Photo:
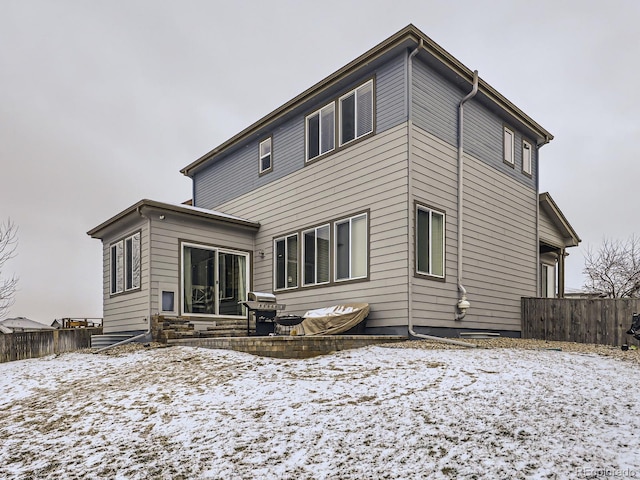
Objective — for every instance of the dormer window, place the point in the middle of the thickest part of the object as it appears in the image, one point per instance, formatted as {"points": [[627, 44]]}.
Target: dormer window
{"points": [[265, 156], [356, 113]]}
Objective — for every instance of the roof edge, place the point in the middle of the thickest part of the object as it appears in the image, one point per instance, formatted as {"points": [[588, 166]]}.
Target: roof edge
{"points": [[181, 209], [411, 34], [546, 199]]}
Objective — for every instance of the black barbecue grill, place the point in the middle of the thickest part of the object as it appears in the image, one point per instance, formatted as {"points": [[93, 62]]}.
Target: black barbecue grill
{"points": [[263, 307]]}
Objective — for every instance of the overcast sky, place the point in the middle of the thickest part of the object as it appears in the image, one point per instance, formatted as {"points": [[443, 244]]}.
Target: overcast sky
{"points": [[103, 102]]}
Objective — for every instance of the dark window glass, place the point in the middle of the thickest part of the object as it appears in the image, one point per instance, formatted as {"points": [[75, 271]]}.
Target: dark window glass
{"points": [[310, 257], [168, 299], [313, 133], [342, 250], [292, 261], [347, 118], [280, 264]]}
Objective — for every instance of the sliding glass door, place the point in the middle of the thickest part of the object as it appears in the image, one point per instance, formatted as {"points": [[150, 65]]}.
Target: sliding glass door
{"points": [[213, 280]]}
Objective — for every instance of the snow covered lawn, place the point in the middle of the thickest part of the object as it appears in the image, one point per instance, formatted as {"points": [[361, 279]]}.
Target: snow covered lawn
{"points": [[186, 413]]}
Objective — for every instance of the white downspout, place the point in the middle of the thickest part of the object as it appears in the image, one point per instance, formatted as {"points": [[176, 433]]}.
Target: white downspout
{"points": [[463, 304], [410, 208]]}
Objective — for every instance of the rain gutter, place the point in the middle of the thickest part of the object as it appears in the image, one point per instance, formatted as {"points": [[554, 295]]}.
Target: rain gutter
{"points": [[409, 111]]}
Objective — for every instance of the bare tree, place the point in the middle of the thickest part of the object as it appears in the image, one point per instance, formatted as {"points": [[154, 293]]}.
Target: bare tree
{"points": [[614, 270], [8, 246]]}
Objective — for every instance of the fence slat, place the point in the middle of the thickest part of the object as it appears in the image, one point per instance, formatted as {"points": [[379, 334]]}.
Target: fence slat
{"points": [[23, 345], [602, 321]]}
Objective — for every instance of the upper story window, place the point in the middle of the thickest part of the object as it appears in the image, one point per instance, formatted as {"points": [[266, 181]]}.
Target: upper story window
{"points": [[265, 156], [508, 148], [125, 264], [315, 255], [351, 248], [526, 157], [429, 242], [320, 126], [355, 120], [286, 262], [356, 113]]}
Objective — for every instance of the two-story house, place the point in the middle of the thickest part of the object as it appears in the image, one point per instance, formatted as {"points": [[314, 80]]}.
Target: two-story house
{"points": [[402, 180]]}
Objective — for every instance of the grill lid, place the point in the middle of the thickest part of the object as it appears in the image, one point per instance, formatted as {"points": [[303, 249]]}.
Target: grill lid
{"points": [[261, 297]]}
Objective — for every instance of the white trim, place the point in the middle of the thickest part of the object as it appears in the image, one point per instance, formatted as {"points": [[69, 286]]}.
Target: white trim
{"points": [[350, 220], [431, 212], [262, 156], [136, 283], [315, 259], [286, 262], [306, 128], [167, 287], [509, 148], [217, 251], [356, 121], [527, 167]]}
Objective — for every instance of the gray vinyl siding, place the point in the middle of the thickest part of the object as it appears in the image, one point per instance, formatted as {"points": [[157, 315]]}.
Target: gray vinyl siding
{"points": [[391, 97], [128, 311], [549, 234], [371, 175], [166, 236], [236, 173], [499, 237], [435, 110]]}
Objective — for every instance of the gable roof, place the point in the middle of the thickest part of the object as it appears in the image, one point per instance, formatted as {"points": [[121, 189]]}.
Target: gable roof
{"points": [[408, 37], [21, 324], [170, 207], [559, 220]]}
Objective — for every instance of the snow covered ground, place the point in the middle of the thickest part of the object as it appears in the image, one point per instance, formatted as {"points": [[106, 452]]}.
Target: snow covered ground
{"points": [[185, 413]]}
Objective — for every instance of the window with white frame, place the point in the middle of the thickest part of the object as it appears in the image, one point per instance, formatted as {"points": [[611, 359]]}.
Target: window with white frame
{"points": [[526, 157], [265, 156], [167, 299], [125, 264], [430, 225], [213, 280], [351, 246], [508, 147], [286, 262], [356, 113], [320, 127], [315, 255]]}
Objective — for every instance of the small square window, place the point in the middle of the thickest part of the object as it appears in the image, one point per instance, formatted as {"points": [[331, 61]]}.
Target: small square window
{"points": [[168, 301], [265, 156], [508, 146]]}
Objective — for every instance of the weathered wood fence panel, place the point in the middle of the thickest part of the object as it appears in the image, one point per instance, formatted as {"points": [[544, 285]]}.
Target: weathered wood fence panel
{"points": [[602, 321], [23, 345]]}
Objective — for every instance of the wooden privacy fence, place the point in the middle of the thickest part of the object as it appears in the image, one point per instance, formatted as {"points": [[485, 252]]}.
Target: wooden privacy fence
{"points": [[602, 321], [23, 345]]}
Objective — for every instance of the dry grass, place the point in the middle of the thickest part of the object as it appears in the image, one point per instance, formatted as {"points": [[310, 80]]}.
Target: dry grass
{"points": [[529, 344]]}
